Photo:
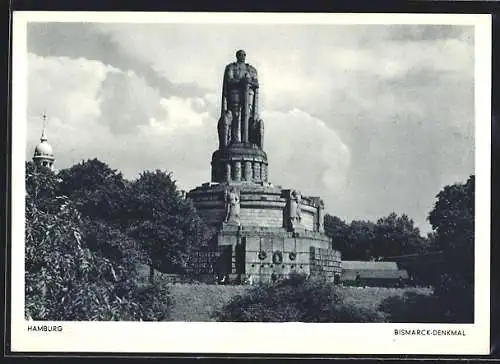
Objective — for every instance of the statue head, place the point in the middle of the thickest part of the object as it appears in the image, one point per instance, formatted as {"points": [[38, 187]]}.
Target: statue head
{"points": [[241, 55]]}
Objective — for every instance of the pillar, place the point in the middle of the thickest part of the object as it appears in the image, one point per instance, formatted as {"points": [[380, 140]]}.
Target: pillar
{"points": [[237, 171], [248, 172], [256, 171], [263, 172]]}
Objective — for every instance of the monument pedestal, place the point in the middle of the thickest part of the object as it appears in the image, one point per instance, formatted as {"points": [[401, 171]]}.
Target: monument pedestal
{"points": [[263, 241]]}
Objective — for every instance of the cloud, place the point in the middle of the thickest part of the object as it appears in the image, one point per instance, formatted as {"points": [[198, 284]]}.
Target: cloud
{"points": [[428, 33], [136, 101], [304, 153], [96, 42], [66, 89]]}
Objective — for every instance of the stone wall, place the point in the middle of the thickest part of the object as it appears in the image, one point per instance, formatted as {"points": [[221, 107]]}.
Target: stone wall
{"points": [[325, 261], [209, 261], [279, 254]]}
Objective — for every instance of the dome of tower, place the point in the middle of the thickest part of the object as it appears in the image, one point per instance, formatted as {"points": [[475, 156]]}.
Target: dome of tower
{"points": [[44, 149]]}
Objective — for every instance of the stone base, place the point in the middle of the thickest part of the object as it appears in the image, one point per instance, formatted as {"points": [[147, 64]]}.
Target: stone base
{"points": [[260, 252], [264, 244]]}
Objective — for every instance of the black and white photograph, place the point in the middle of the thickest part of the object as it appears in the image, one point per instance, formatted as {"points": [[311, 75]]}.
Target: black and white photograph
{"points": [[222, 182]]}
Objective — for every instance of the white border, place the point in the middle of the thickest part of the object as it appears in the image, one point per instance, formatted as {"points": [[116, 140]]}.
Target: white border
{"points": [[292, 338]]}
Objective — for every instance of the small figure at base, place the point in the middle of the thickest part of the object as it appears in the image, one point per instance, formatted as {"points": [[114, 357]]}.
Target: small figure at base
{"points": [[274, 277]]}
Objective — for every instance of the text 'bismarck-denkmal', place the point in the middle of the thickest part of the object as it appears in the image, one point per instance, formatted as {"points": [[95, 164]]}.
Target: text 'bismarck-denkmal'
{"points": [[428, 332]]}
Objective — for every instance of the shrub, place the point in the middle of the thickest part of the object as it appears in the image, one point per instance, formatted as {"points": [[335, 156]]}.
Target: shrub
{"points": [[295, 299], [65, 280], [412, 307]]}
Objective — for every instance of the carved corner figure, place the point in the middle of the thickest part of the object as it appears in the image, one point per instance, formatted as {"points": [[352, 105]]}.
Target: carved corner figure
{"points": [[239, 99], [295, 214], [224, 129], [257, 133], [232, 199], [320, 217]]}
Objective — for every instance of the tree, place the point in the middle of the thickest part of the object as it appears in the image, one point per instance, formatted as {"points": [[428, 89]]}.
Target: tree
{"points": [[452, 219], [397, 235], [362, 238], [338, 230], [354, 240], [97, 191], [102, 196], [66, 280], [41, 186], [166, 224]]}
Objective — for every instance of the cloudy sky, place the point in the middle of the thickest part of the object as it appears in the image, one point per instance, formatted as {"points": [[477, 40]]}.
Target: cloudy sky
{"points": [[373, 118]]}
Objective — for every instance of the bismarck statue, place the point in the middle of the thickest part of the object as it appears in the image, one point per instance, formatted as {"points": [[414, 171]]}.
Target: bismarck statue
{"points": [[240, 121], [240, 156]]}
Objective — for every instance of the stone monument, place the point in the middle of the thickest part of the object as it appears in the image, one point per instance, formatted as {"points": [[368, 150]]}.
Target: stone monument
{"points": [[263, 229]]}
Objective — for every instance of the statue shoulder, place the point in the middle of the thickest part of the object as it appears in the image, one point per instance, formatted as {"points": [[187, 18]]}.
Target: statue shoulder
{"points": [[230, 66], [251, 68]]}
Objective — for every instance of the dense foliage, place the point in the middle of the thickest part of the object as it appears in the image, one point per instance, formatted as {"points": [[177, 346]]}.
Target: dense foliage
{"points": [[66, 280], [166, 225], [295, 299], [413, 307], [85, 230], [97, 191], [453, 221], [145, 219], [390, 236], [101, 195]]}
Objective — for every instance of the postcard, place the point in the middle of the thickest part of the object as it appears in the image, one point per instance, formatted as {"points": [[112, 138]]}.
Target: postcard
{"points": [[261, 183]]}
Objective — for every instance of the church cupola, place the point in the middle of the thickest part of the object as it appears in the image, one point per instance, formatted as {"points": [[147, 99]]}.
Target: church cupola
{"points": [[44, 154]]}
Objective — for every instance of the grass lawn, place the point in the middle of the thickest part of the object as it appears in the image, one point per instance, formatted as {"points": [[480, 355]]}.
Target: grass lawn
{"points": [[196, 302], [371, 297]]}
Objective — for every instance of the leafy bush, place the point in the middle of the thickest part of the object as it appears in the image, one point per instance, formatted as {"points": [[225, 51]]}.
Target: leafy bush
{"points": [[412, 307], [295, 299], [109, 241], [66, 280]]}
